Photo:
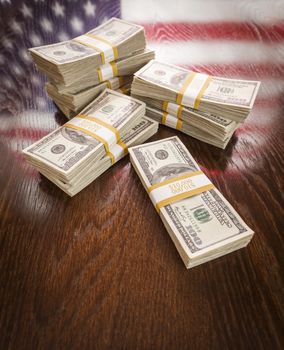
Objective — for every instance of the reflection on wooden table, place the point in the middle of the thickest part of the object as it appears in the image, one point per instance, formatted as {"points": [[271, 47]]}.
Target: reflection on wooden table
{"points": [[99, 270]]}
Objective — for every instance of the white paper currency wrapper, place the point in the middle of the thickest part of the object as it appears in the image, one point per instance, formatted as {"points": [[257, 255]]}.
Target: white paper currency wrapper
{"points": [[106, 48], [193, 89], [115, 83], [171, 121], [117, 152], [96, 129], [106, 72], [173, 191], [173, 108]]}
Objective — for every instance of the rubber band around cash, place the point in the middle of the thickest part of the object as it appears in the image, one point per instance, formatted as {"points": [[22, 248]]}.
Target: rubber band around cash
{"points": [[178, 188], [107, 134], [107, 50], [171, 121], [193, 89]]}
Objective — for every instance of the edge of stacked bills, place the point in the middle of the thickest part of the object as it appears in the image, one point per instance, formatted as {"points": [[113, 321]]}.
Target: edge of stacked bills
{"points": [[85, 139], [72, 60], [138, 134], [228, 98], [201, 222]]}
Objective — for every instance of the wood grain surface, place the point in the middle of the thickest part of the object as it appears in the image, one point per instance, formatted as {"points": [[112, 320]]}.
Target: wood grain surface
{"points": [[99, 271]]}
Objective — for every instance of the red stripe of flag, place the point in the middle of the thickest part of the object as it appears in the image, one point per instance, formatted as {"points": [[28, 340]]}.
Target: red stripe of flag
{"points": [[232, 31], [245, 70], [24, 133]]}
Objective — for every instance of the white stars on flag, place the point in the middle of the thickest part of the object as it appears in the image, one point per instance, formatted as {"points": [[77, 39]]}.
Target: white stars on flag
{"points": [[35, 80], [40, 102], [2, 59], [26, 11], [8, 82], [62, 36], [104, 19], [24, 54], [77, 24], [16, 69], [16, 27], [58, 9], [7, 43], [46, 25], [35, 39], [90, 8]]}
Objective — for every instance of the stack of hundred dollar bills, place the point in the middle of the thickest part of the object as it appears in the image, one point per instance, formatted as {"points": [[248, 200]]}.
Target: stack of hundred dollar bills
{"points": [[78, 152], [205, 107], [79, 69], [200, 221]]}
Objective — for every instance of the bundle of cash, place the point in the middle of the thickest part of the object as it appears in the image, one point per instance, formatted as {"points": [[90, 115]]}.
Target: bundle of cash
{"points": [[72, 99], [188, 128], [71, 155], [70, 104], [78, 70], [135, 136], [120, 68], [227, 98], [200, 221], [70, 61], [205, 127], [216, 126]]}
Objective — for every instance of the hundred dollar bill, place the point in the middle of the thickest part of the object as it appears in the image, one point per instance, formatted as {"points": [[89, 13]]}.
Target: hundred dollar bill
{"points": [[72, 108], [214, 125], [197, 132], [121, 67], [203, 226], [227, 98], [137, 135], [86, 137], [75, 58]]}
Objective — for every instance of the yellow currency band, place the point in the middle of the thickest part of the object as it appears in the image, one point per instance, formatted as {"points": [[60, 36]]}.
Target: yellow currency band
{"points": [[164, 120], [201, 92], [123, 145], [98, 138], [164, 117], [108, 84], [187, 81], [165, 106], [180, 196], [114, 68], [124, 89], [114, 71], [121, 81], [184, 195], [102, 123], [125, 149], [177, 178], [114, 48], [100, 75], [179, 112], [93, 47], [179, 124]]}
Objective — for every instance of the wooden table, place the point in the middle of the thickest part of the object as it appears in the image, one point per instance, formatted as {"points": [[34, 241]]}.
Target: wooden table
{"points": [[99, 271]]}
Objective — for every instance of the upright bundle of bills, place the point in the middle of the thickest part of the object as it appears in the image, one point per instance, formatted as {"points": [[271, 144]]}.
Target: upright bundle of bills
{"points": [[83, 148], [72, 103], [200, 221], [208, 108], [116, 48]]}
